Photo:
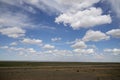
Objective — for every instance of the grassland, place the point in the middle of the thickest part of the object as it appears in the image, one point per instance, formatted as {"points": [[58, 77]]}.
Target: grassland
{"points": [[59, 71]]}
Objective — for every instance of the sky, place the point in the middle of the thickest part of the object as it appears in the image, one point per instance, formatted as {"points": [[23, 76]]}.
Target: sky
{"points": [[60, 30]]}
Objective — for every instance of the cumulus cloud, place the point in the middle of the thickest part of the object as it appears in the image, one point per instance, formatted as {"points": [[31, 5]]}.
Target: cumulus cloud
{"points": [[23, 50], [19, 50], [114, 32], [56, 39], [77, 13], [84, 51], [11, 19], [84, 19], [114, 51], [57, 52], [115, 6], [13, 32], [13, 43], [48, 46], [31, 50], [13, 24], [95, 36], [79, 45], [32, 41]]}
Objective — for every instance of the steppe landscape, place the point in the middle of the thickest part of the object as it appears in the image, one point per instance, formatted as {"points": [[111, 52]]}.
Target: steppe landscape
{"points": [[59, 71]]}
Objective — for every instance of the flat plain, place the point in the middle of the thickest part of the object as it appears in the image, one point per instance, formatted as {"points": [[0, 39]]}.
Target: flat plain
{"points": [[59, 71]]}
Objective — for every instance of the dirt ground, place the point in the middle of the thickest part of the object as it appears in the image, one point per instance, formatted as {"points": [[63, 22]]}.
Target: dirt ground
{"points": [[79, 72]]}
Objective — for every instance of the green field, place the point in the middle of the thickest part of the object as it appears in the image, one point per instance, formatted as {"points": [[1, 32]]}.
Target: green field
{"points": [[59, 71]]}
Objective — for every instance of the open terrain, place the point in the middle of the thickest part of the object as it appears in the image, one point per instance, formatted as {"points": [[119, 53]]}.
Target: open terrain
{"points": [[59, 71]]}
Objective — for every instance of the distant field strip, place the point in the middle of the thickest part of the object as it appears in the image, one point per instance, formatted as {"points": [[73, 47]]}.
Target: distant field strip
{"points": [[59, 71]]}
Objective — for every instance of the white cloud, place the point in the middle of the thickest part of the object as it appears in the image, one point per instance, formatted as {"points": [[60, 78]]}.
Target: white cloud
{"points": [[19, 50], [13, 32], [81, 14], [84, 51], [48, 46], [95, 36], [11, 19], [20, 4], [84, 19], [76, 13], [98, 55], [114, 51], [31, 50], [56, 39], [114, 32], [39, 4], [23, 50], [79, 44], [115, 6], [13, 43], [32, 41], [13, 24], [46, 27], [57, 52], [4, 47], [81, 48], [53, 6], [63, 52], [30, 9]]}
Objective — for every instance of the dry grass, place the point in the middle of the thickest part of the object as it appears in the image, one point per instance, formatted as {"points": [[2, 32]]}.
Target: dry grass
{"points": [[76, 71]]}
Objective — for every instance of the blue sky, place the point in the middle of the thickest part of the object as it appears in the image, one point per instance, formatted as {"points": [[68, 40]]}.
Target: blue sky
{"points": [[60, 30]]}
